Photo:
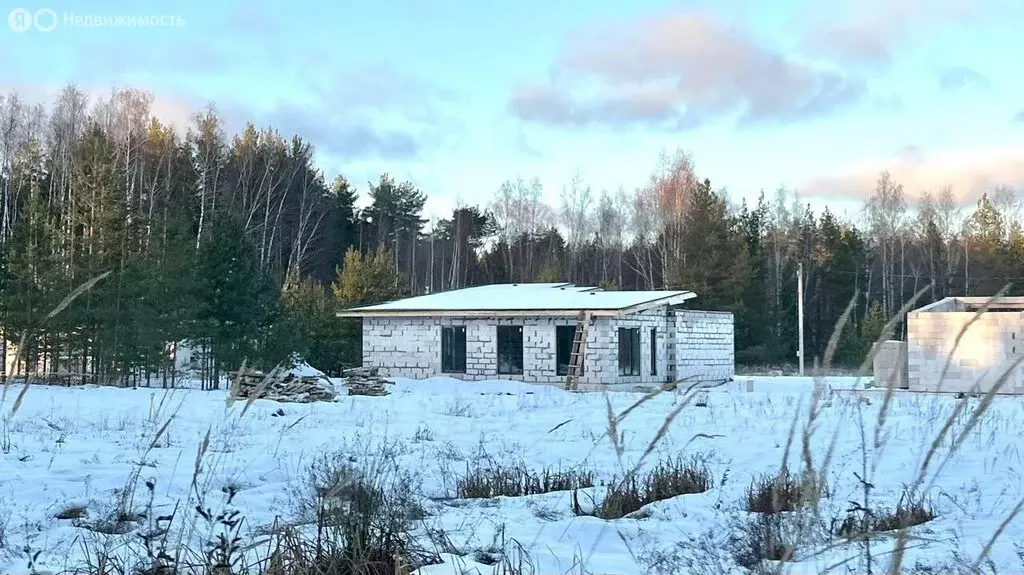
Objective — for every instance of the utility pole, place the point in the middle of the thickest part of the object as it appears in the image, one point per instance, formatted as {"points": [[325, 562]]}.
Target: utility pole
{"points": [[800, 312]]}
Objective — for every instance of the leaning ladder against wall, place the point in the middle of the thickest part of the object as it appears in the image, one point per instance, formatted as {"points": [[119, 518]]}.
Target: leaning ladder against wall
{"points": [[578, 352]]}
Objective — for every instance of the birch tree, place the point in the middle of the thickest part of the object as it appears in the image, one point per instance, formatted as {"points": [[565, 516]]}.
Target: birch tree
{"points": [[576, 215]]}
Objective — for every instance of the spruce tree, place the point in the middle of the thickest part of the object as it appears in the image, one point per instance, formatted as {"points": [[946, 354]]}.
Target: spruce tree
{"points": [[32, 282], [715, 261], [237, 301], [344, 234], [872, 327]]}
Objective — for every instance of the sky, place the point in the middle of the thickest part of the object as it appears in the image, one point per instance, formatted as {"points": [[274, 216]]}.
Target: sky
{"points": [[818, 96]]}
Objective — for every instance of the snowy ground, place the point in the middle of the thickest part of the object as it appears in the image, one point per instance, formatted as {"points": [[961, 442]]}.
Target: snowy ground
{"points": [[69, 447]]}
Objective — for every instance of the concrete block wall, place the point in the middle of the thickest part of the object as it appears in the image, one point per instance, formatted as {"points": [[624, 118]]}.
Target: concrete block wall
{"points": [[539, 348], [890, 364], [990, 345], [701, 343], [657, 319], [405, 347], [670, 345], [705, 346], [411, 347]]}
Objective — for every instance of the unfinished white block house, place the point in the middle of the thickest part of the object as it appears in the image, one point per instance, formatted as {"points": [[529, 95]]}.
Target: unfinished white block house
{"points": [[988, 349], [546, 333]]}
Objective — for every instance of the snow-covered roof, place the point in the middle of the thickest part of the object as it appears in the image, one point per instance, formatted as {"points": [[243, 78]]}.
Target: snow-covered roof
{"points": [[964, 304], [524, 299]]}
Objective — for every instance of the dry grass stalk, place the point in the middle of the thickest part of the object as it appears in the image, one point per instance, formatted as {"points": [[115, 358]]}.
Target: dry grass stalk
{"points": [[669, 478], [306, 554], [81, 289], [485, 483], [784, 491], [908, 513]]}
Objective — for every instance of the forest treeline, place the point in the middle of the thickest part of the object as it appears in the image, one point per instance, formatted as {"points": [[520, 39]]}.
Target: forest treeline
{"points": [[237, 242]]}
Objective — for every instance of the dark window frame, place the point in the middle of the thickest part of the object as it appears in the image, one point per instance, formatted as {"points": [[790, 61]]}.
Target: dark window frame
{"points": [[654, 351], [629, 351], [505, 342], [563, 351], [453, 359]]}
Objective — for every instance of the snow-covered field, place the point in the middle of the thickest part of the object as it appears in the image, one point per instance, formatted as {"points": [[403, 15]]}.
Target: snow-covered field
{"points": [[80, 447]]}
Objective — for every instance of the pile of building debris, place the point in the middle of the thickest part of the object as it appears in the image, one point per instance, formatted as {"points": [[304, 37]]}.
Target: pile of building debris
{"points": [[365, 381], [299, 383]]}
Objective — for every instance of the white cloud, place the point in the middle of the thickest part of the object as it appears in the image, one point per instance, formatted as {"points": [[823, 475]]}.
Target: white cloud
{"points": [[680, 70], [970, 172], [872, 31]]}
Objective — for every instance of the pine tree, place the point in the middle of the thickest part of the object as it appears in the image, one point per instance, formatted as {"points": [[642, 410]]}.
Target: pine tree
{"points": [[838, 259], [368, 280], [754, 323], [346, 228], [872, 327], [315, 331], [460, 238], [364, 280], [237, 301], [990, 254], [715, 262], [32, 279]]}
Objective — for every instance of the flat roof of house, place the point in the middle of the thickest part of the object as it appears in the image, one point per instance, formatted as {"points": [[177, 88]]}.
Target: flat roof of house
{"points": [[974, 304], [549, 299]]}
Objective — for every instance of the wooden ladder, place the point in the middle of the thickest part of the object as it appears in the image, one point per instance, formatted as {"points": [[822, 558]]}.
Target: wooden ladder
{"points": [[578, 352]]}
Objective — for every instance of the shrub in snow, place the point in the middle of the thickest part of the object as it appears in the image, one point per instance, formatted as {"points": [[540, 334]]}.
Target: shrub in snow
{"points": [[669, 478], [767, 537], [423, 433], [363, 517], [71, 512], [785, 491], [908, 512], [704, 554], [484, 483]]}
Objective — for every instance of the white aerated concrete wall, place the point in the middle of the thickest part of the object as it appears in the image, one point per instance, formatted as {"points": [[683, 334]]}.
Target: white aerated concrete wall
{"points": [[411, 347], [705, 346], [987, 350], [889, 365]]}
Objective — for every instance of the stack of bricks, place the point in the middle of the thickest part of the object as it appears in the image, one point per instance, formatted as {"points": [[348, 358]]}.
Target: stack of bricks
{"points": [[280, 386], [365, 381]]}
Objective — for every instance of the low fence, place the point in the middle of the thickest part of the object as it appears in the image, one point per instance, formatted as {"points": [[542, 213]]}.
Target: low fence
{"points": [[62, 379]]}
